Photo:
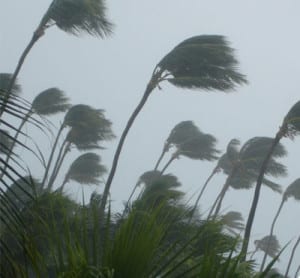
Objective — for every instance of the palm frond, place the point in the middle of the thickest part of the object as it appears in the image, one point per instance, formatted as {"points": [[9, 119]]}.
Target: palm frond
{"points": [[268, 244], [233, 220], [293, 190], [5, 142], [79, 16], [86, 169], [203, 62], [50, 101], [291, 122], [5, 79]]}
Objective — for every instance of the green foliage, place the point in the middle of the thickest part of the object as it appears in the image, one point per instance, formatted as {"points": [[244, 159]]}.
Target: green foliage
{"points": [[293, 190], [268, 244], [203, 62], [5, 79], [291, 122], [79, 16], [50, 101]]}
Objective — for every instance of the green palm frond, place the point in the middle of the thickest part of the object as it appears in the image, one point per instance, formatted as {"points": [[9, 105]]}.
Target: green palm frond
{"points": [[268, 244], [89, 127], [291, 122], [203, 62], [202, 147], [86, 169], [50, 101], [79, 16], [293, 190], [5, 142], [5, 79]]}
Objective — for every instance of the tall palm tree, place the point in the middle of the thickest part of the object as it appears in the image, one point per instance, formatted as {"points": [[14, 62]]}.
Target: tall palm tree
{"points": [[293, 190], [289, 128], [88, 128], [202, 62], [86, 169], [193, 143], [73, 17], [243, 167]]}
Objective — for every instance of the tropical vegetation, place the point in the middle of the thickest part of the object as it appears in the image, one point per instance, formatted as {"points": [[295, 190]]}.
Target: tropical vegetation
{"points": [[46, 232]]}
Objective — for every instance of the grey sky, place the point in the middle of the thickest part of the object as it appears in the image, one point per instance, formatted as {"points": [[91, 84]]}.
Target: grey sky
{"points": [[112, 74]]}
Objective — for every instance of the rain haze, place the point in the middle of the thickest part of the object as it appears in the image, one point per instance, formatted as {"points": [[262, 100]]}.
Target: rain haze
{"points": [[112, 74]]}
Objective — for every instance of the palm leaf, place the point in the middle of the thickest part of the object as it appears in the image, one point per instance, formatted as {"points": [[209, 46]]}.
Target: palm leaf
{"points": [[291, 122], [50, 101], [268, 244], [293, 190], [233, 220], [79, 16], [203, 62], [86, 169]]}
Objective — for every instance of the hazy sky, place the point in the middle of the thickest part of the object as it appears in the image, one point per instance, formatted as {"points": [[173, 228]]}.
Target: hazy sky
{"points": [[112, 74]]}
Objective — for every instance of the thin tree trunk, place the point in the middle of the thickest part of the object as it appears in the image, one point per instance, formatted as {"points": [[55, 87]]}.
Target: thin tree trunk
{"points": [[51, 155], [256, 196], [160, 158], [129, 199], [60, 158], [168, 163], [35, 37], [271, 233], [215, 170], [150, 87], [291, 257]]}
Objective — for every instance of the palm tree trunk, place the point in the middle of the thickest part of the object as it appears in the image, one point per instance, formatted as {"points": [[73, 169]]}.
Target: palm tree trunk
{"points": [[291, 257], [51, 155], [60, 158], [168, 163], [271, 233], [161, 157], [256, 195], [35, 37], [215, 170], [129, 199], [150, 87]]}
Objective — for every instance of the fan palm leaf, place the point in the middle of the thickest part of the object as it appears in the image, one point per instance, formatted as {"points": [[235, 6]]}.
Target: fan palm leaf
{"points": [[203, 62], [289, 128], [233, 220]]}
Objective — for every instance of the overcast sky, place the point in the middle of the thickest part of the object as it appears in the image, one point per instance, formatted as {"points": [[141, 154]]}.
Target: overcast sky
{"points": [[112, 74]]}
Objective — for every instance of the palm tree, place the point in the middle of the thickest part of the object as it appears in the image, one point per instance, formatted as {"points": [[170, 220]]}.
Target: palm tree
{"points": [[293, 190], [289, 128], [202, 62], [88, 127], [73, 17], [86, 169], [193, 143], [242, 167]]}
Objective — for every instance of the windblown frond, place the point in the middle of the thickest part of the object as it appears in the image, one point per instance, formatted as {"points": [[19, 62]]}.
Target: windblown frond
{"points": [[50, 101], [203, 62], [5, 142], [293, 190], [268, 244], [233, 220], [79, 16], [291, 122], [86, 169]]}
